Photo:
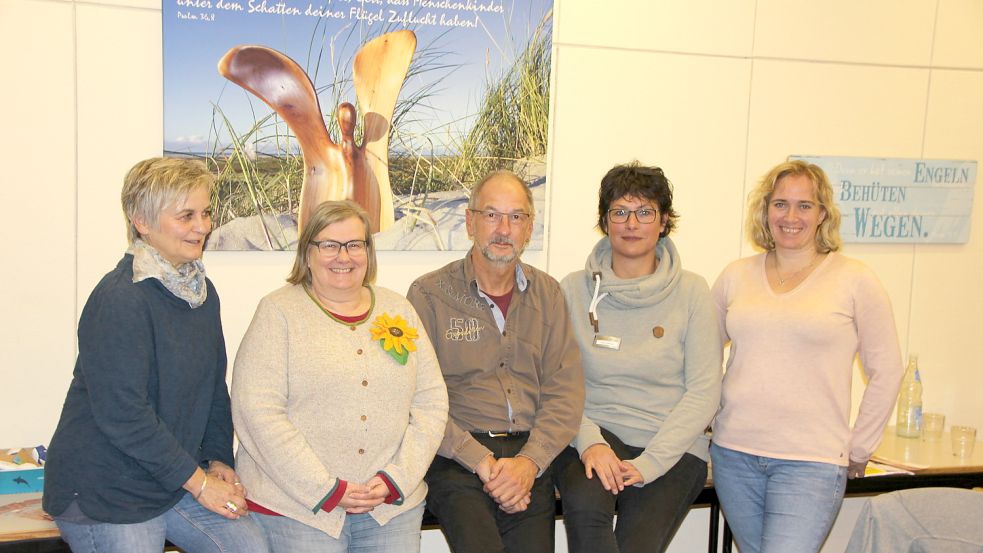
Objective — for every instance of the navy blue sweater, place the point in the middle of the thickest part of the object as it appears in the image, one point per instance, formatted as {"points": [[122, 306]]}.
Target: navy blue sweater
{"points": [[148, 402]]}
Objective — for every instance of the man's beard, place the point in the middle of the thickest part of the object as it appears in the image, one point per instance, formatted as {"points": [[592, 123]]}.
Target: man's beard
{"points": [[503, 259]]}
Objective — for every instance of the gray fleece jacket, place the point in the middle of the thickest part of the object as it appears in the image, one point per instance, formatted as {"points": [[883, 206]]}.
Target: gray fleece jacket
{"points": [[661, 387]]}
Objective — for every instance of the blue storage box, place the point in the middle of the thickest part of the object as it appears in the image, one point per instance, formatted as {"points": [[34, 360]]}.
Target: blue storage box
{"points": [[21, 481]]}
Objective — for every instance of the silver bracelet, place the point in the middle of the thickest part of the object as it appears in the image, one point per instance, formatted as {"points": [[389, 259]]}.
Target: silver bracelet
{"points": [[202, 490]]}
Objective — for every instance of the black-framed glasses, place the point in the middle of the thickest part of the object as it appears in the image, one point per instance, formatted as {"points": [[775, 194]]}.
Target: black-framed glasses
{"points": [[331, 248], [492, 217], [644, 215]]}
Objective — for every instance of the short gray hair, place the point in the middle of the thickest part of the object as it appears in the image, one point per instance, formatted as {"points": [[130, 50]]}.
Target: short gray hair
{"points": [[476, 190], [154, 184]]}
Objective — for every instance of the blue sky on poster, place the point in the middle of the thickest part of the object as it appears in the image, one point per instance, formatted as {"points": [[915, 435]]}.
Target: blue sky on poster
{"points": [[198, 32]]}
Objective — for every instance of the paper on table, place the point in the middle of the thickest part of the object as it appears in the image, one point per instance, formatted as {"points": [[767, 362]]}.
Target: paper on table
{"points": [[880, 469]]}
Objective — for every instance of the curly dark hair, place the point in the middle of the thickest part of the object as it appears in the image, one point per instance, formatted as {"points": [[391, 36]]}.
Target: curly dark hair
{"points": [[637, 181]]}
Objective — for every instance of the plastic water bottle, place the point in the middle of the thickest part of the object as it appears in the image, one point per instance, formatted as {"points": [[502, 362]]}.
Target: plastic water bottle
{"points": [[909, 422]]}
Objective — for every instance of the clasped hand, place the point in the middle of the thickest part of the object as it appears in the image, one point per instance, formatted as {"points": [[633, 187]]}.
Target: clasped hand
{"points": [[508, 481], [362, 498], [613, 473], [223, 493]]}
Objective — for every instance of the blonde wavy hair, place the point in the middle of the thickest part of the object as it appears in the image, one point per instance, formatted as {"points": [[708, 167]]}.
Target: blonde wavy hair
{"points": [[828, 233]]}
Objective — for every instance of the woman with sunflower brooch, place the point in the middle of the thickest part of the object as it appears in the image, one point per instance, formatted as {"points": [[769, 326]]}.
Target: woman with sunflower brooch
{"points": [[338, 400]]}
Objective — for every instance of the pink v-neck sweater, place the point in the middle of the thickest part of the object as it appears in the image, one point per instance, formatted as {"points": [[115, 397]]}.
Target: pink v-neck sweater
{"points": [[786, 390]]}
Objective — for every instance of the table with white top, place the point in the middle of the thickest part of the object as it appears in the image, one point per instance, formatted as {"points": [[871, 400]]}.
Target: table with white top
{"points": [[923, 457]]}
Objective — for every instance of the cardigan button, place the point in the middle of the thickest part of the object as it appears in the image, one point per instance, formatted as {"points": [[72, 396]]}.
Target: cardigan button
{"points": [[363, 417], [365, 383], [353, 327], [359, 351], [361, 451]]}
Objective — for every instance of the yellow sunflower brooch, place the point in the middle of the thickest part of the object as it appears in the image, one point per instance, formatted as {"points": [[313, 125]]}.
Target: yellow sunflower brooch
{"points": [[395, 336]]}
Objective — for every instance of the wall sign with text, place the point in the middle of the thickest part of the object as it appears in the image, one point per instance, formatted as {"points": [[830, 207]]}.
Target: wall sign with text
{"points": [[888, 200]]}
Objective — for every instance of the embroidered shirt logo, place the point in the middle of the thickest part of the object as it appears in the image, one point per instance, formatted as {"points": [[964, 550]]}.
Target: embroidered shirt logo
{"points": [[467, 330], [463, 298]]}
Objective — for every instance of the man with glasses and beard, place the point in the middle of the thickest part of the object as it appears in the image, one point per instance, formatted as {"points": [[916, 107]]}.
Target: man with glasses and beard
{"points": [[513, 373]]}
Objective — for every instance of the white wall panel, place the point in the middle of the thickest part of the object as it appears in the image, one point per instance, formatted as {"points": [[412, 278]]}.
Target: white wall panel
{"points": [[958, 36], [686, 114], [834, 109], [37, 152], [897, 32], [946, 294], [696, 26], [120, 101]]}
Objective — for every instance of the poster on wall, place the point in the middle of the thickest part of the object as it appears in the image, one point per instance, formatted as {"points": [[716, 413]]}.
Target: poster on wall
{"points": [[903, 201], [399, 105]]}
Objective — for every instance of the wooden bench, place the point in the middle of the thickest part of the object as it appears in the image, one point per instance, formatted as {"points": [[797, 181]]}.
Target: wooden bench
{"points": [[46, 540], [36, 536]]}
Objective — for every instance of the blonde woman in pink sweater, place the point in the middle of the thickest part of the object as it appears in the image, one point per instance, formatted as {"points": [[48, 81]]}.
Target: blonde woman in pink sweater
{"points": [[796, 315]]}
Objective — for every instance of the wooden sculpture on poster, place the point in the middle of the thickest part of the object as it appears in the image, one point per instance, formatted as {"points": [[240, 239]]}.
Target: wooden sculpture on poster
{"points": [[334, 171]]}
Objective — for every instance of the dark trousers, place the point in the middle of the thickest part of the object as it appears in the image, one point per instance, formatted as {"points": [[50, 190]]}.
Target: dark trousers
{"points": [[470, 518], [648, 516]]}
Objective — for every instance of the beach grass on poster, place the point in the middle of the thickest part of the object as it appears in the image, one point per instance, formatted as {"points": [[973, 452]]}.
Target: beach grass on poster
{"points": [[512, 123], [250, 183]]}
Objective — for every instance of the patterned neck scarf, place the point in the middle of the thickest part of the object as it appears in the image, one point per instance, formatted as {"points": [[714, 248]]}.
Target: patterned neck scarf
{"points": [[186, 282]]}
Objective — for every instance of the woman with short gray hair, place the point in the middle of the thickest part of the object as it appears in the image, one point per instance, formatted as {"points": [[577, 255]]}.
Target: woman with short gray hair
{"points": [[143, 450]]}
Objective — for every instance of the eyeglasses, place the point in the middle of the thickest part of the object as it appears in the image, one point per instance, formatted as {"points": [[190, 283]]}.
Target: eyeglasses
{"points": [[491, 217], [645, 215], [332, 248]]}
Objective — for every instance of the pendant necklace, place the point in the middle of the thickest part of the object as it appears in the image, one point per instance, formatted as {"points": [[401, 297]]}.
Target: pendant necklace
{"points": [[778, 273]]}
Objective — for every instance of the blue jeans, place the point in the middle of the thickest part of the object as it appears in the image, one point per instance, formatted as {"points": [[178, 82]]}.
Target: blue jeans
{"points": [[361, 533], [776, 505], [187, 525]]}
